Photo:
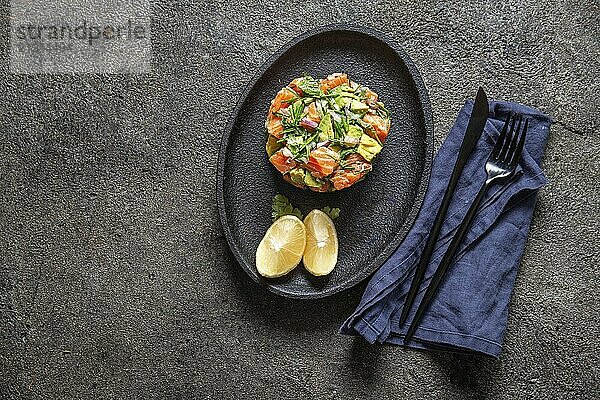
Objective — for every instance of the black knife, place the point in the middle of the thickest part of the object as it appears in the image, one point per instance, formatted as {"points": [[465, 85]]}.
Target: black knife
{"points": [[472, 135]]}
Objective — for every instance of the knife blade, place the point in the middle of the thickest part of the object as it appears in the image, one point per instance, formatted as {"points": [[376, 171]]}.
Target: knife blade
{"points": [[472, 135]]}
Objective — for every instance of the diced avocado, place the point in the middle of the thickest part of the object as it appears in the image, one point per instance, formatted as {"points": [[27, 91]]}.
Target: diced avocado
{"points": [[272, 145], [346, 88], [342, 101], [354, 131], [325, 128], [311, 181], [344, 94], [359, 107], [353, 135], [336, 148], [368, 147], [297, 175]]}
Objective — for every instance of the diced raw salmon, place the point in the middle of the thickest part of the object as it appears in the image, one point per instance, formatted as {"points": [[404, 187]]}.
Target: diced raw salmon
{"points": [[282, 99], [342, 178], [282, 160], [333, 80], [357, 163], [313, 113], [356, 167], [322, 162], [371, 95], [379, 126], [274, 126]]}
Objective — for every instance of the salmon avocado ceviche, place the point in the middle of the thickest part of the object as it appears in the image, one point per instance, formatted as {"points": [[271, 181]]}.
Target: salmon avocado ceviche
{"points": [[324, 134]]}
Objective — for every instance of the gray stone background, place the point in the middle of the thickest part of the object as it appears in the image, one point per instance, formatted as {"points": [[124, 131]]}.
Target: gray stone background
{"points": [[115, 278]]}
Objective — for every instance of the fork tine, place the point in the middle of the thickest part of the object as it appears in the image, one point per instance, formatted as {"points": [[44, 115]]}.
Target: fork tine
{"points": [[516, 156], [502, 156], [513, 143], [500, 141]]}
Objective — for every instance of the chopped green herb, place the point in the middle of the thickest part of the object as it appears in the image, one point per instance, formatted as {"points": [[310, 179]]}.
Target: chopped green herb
{"points": [[281, 206], [345, 152], [333, 213], [310, 86]]}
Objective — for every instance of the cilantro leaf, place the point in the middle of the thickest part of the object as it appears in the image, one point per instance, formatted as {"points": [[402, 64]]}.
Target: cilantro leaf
{"points": [[333, 213], [281, 206]]}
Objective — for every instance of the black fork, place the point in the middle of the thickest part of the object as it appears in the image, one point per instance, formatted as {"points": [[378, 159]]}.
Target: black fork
{"points": [[501, 164]]}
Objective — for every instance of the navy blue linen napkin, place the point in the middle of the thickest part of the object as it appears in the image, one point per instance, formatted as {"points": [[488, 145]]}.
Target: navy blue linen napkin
{"points": [[469, 313]]}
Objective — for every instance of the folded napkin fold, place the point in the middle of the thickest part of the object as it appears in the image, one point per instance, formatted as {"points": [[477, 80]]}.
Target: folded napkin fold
{"points": [[469, 313]]}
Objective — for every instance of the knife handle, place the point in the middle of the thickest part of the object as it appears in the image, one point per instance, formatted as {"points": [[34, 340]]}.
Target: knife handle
{"points": [[433, 236], [440, 272]]}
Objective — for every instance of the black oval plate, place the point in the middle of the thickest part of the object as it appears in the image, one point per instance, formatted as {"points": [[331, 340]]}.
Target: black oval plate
{"points": [[376, 213]]}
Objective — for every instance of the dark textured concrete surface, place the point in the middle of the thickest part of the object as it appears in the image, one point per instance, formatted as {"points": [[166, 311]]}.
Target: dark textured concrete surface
{"points": [[115, 278]]}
